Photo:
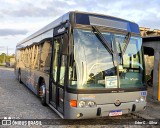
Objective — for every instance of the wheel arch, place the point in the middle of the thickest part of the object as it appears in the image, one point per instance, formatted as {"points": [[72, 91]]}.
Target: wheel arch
{"points": [[42, 93], [39, 84]]}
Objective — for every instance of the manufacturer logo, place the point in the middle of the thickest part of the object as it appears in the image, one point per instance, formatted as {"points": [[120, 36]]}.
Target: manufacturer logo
{"points": [[61, 30], [117, 103], [133, 79]]}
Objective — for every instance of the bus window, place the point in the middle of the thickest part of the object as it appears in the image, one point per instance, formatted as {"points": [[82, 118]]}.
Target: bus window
{"points": [[60, 58], [26, 57], [62, 69], [92, 64], [55, 58], [72, 72], [35, 57], [130, 62], [45, 57]]}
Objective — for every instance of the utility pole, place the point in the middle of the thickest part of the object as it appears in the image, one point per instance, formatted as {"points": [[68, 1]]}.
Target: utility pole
{"points": [[4, 59], [7, 50]]}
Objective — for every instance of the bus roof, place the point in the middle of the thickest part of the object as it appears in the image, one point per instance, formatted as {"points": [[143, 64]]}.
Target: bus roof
{"points": [[83, 20], [47, 27]]}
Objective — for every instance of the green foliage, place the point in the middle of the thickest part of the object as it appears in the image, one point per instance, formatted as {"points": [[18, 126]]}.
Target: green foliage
{"points": [[4, 58]]}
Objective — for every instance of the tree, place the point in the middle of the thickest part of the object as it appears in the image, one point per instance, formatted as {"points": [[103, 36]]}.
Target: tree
{"points": [[4, 58]]}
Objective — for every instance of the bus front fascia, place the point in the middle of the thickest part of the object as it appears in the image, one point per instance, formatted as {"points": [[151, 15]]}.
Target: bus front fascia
{"points": [[112, 90]]}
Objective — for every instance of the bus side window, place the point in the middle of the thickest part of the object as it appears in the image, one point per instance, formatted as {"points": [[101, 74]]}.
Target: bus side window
{"points": [[55, 59], [62, 69], [72, 74], [60, 59], [45, 57], [63, 58]]}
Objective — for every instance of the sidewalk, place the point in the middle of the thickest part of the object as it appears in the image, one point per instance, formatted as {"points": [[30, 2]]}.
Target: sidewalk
{"points": [[153, 107]]}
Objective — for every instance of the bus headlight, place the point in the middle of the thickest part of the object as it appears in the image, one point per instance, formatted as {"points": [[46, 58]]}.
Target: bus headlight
{"points": [[137, 100], [91, 103], [82, 104], [142, 99]]}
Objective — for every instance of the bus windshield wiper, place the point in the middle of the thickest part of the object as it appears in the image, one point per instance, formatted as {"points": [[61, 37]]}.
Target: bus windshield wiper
{"points": [[121, 52], [126, 42], [102, 39]]}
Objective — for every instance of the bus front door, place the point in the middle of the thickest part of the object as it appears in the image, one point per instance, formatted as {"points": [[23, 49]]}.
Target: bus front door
{"points": [[58, 74]]}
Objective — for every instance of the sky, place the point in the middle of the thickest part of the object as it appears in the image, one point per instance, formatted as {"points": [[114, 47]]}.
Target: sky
{"points": [[21, 18]]}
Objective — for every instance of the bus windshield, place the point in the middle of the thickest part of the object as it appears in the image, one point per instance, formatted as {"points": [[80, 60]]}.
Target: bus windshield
{"points": [[94, 67], [130, 61]]}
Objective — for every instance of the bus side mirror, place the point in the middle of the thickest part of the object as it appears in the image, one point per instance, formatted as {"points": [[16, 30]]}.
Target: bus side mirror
{"points": [[67, 25]]}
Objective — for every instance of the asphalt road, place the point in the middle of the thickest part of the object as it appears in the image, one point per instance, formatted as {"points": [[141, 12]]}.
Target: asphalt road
{"points": [[18, 102]]}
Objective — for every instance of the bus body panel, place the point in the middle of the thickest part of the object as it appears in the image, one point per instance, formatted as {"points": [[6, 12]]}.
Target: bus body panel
{"points": [[104, 102], [72, 113], [31, 78], [107, 98]]}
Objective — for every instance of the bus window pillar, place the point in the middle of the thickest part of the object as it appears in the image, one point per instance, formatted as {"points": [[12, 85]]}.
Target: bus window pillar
{"points": [[155, 74]]}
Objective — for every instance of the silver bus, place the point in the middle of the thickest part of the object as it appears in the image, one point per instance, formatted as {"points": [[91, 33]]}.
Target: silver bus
{"points": [[85, 65]]}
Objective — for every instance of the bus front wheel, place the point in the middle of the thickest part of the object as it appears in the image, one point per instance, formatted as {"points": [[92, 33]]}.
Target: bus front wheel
{"points": [[42, 94]]}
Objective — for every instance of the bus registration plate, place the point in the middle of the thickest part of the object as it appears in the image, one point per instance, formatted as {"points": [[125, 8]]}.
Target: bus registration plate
{"points": [[115, 113]]}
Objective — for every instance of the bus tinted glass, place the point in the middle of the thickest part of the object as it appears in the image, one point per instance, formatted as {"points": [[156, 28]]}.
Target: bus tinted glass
{"points": [[107, 21], [93, 66], [130, 62]]}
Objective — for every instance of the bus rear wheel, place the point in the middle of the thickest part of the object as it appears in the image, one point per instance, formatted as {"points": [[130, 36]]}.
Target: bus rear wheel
{"points": [[19, 77], [42, 94]]}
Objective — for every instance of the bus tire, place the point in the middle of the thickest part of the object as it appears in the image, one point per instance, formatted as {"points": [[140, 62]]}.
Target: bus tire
{"points": [[42, 94], [19, 76]]}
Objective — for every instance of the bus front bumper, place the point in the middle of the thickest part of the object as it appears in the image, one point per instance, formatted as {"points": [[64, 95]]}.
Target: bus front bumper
{"points": [[102, 110]]}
